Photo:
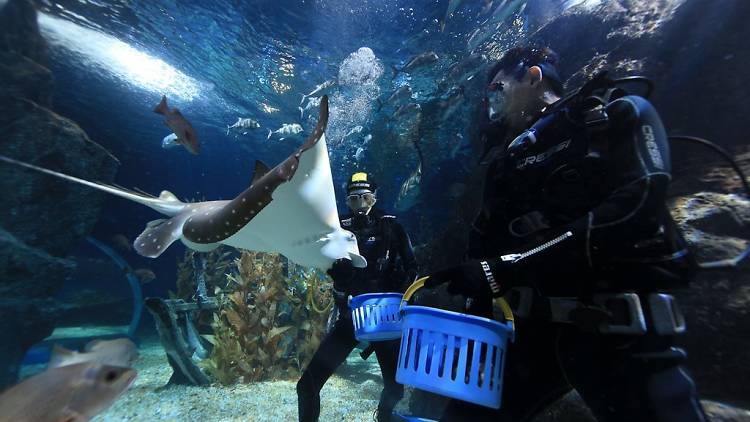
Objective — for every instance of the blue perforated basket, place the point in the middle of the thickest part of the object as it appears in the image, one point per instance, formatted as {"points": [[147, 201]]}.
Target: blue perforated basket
{"points": [[456, 355], [376, 316]]}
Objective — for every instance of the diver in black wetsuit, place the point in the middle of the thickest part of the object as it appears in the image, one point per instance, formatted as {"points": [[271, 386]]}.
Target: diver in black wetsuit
{"points": [[391, 267], [575, 232]]}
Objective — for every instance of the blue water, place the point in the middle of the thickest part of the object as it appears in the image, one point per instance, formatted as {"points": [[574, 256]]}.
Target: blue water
{"points": [[221, 60]]}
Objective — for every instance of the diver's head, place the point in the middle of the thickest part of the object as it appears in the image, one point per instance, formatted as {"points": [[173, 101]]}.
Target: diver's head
{"points": [[361, 193], [521, 84]]}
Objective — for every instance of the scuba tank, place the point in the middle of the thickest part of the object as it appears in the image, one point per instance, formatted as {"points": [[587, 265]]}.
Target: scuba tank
{"points": [[588, 107]]}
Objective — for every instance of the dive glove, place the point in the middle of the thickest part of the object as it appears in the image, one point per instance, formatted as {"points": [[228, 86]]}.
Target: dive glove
{"points": [[475, 278], [342, 272]]}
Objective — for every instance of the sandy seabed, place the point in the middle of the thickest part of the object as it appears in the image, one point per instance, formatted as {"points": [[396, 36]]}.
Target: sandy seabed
{"points": [[350, 395]]}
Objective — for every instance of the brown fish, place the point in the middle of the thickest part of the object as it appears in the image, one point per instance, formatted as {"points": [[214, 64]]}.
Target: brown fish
{"points": [[120, 242], [73, 393], [144, 275], [186, 135], [117, 352]]}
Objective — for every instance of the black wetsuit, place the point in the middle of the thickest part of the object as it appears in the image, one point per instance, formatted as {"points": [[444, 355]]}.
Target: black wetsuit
{"points": [[606, 187], [391, 267]]}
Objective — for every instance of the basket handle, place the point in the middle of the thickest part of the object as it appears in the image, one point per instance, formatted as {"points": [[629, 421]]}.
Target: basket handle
{"points": [[419, 283]]}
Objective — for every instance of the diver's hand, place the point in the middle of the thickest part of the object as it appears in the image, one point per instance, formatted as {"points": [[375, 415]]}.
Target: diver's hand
{"points": [[472, 279], [342, 272]]}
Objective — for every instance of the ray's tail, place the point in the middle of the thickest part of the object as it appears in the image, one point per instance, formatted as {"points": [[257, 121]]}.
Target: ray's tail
{"points": [[166, 203]]}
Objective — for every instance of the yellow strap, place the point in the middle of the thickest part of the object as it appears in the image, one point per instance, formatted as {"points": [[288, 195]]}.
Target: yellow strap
{"points": [[414, 287], [507, 312]]}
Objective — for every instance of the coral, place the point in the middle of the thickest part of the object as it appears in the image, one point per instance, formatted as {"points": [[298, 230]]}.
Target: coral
{"points": [[271, 318]]}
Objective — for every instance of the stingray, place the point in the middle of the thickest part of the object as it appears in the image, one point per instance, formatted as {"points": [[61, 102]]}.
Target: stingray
{"points": [[290, 209]]}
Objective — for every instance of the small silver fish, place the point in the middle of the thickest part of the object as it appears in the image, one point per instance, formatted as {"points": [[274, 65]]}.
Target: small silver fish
{"points": [[358, 155], [286, 129], [72, 393], [243, 125], [319, 90], [417, 62], [312, 103], [170, 141], [396, 96], [467, 67], [354, 130], [452, 6]]}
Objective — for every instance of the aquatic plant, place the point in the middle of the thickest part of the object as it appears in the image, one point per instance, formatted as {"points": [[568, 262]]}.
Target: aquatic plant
{"points": [[217, 263], [271, 318]]}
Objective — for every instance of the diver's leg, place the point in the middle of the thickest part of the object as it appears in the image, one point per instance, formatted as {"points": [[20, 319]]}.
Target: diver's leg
{"points": [[331, 353], [387, 354], [630, 378], [532, 379]]}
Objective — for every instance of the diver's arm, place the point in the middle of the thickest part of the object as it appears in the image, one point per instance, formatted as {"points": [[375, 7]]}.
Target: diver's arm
{"points": [[638, 161]]}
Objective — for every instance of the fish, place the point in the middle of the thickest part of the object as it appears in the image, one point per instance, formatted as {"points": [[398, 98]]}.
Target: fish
{"points": [[366, 139], [243, 125], [505, 9], [120, 352], [454, 100], [459, 71], [287, 129], [452, 6], [186, 135], [491, 26], [319, 90], [408, 195], [121, 242], [354, 130], [311, 103], [72, 393], [170, 141], [359, 153], [144, 275], [290, 210], [406, 109], [416, 62], [396, 96]]}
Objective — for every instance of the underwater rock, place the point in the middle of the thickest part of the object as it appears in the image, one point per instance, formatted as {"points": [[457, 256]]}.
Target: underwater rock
{"points": [[42, 218], [21, 34], [23, 55], [26, 309], [39, 210]]}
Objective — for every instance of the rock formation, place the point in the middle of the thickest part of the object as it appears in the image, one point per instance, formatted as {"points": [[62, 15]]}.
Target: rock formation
{"points": [[42, 218]]}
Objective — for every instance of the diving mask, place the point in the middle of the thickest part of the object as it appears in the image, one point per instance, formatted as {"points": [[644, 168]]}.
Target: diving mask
{"points": [[361, 202], [495, 100]]}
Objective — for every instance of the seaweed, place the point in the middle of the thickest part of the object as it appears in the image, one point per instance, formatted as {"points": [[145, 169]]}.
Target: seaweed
{"points": [[272, 315], [217, 262]]}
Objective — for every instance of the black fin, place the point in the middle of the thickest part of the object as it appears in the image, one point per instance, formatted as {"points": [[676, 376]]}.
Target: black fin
{"points": [[260, 170]]}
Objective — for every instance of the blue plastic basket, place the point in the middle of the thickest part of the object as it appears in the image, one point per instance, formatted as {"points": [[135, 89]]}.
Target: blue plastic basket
{"points": [[376, 316], [456, 355]]}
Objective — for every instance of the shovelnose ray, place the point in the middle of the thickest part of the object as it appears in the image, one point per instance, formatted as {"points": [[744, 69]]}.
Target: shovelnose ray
{"points": [[290, 209]]}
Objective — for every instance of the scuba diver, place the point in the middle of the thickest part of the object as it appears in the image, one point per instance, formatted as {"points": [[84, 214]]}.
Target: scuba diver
{"points": [[574, 230], [391, 267]]}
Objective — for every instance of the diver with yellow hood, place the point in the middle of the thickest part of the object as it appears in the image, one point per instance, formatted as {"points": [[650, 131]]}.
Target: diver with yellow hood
{"points": [[391, 267]]}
